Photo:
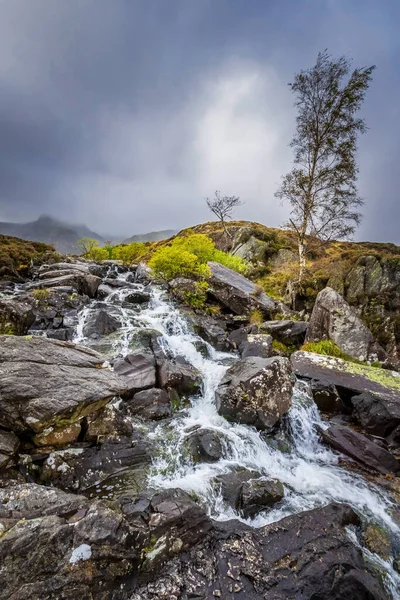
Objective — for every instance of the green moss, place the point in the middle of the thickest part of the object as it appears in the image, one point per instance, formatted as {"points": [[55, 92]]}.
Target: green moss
{"points": [[327, 348], [256, 317], [278, 346], [7, 329]]}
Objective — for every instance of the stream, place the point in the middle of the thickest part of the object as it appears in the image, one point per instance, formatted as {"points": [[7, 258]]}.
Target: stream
{"points": [[308, 470]]}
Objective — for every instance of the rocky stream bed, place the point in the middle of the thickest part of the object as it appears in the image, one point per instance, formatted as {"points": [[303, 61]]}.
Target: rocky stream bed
{"points": [[148, 452]]}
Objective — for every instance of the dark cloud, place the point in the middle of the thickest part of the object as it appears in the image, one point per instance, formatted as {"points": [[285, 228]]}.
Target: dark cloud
{"points": [[126, 114]]}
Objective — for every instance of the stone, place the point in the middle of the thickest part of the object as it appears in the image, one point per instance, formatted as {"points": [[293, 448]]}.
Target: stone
{"points": [[212, 331], [58, 436], [46, 383], [179, 375], [333, 319], [377, 540], [259, 494], [230, 485], [275, 562], [361, 449], [15, 317], [100, 322], [256, 391], [9, 444], [137, 371], [351, 379], [204, 445], [326, 396], [290, 333], [109, 423], [375, 415], [150, 404], [82, 283], [138, 297], [236, 292], [258, 344]]}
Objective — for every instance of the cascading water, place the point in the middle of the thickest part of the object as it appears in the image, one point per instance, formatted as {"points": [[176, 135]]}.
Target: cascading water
{"points": [[308, 470]]}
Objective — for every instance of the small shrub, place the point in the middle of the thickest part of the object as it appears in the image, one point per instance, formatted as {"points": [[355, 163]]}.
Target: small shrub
{"points": [[213, 310], [170, 262], [197, 298], [41, 295], [327, 348], [97, 254], [232, 262], [258, 291], [281, 347], [256, 317], [130, 253]]}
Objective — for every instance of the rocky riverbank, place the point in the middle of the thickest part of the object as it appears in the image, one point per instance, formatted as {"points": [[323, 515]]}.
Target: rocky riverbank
{"points": [[149, 451]]}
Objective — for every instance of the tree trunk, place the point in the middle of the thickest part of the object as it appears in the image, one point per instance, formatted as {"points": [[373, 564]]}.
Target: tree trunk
{"points": [[302, 261], [225, 229]]}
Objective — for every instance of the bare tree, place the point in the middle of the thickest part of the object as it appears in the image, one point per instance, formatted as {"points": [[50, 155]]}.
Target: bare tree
{"points": [[321, 188], [222, 207]]}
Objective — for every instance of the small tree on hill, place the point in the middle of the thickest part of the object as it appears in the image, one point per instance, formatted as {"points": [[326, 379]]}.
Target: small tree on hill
{"points": [[222, 207], [87, 245], [321, 188]]}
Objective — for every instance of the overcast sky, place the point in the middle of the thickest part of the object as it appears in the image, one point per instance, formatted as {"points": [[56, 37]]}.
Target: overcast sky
{"points": [[125, 114]]}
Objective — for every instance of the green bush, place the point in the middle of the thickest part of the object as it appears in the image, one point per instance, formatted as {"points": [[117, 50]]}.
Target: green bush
{"points": [[327, 348], [97, 254], [198, 297], [41, 295], [188, 256], [130, 253]]}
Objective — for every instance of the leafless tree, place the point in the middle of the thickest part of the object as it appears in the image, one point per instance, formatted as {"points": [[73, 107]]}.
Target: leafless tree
{"points": [[222, 207]]}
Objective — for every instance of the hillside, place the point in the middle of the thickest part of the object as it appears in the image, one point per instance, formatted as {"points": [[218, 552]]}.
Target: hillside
{"points": [[63, 236], [153, 236], [16, 255]]}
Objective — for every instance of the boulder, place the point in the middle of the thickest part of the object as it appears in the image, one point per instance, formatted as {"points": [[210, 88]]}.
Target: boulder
{"points": [[290, 333], [179, 375], [351, 379], [45, 383], [230, 485], [212, 331], [150, 404], [9, 444], [258, 344], [333, 319], [376, 415], [15, 317], [100, 322], [256, 391], [377, 540], [137, 371], [204, 445], [138, 297], [326, 396], [259, 494], [64, 548], [253, 250], [82, 283], [109, 423], [361, 449], [275, 562], [81, 267], [236, 292]]}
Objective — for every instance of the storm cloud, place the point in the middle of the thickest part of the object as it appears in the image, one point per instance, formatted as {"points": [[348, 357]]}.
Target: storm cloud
{"points": [[125, 114]]}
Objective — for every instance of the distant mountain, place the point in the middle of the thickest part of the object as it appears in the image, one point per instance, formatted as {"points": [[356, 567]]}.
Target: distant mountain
{"points": [[63, 236], [153, 236]]}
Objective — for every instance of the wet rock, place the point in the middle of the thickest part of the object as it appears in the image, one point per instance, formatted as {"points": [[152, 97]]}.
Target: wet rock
{"points": [[259, 494], [82, 283], [100, 322], [351, 378], [256, 391], [360, 448], [80, 468], [58, 436], [109, 423], [258, 344], [15, 317], [287, 332], [204, 445], [236, 292], [103, 291], [9, 444], [62, 335], [150, 404], [70, 549], [375, 415], [137, 371], [275, 562], [326, 396], [332, 318], [179, 375], [230, 485], [212, 331], [138, 297], [377, 540], [45, 383]]}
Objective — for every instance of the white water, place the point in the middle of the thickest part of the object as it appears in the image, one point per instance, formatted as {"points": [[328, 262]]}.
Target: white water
{"points": [[308, 470]]}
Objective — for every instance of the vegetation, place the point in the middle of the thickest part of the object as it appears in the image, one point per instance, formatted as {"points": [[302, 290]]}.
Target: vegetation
{"points": [[188, 255], [321, 188], [327, 348], [222, 207], [129, 254], [41, 295], [17, 255], [87, 246], [256, 317], [282, 348], [197, 297]]}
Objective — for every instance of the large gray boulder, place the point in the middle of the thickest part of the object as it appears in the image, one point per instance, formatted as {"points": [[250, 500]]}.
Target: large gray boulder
{"points": [[81, 282], [137, 371], [8, 447], [100, 322], [15, 317], [236, 292], [288, 332], [333, 319], [179, 375], [256, 391], [352, 379], [150, 404], [50, 384]]}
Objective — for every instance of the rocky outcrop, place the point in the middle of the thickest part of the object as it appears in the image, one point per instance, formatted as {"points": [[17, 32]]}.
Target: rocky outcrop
{"points": [[150, 404], [15, 317], [79, 280], [361, 449], [326, 396], [257, 344], [375, 414], [332, 318], [291, 333], [236, 292], [256, 391], [137, 371], [277, 562], [48, 384], [100, 322], [9, 444], [259, 494], [180, 376]]}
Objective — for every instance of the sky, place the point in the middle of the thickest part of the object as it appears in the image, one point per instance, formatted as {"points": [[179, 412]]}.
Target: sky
{"points": [[125, 114]]}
